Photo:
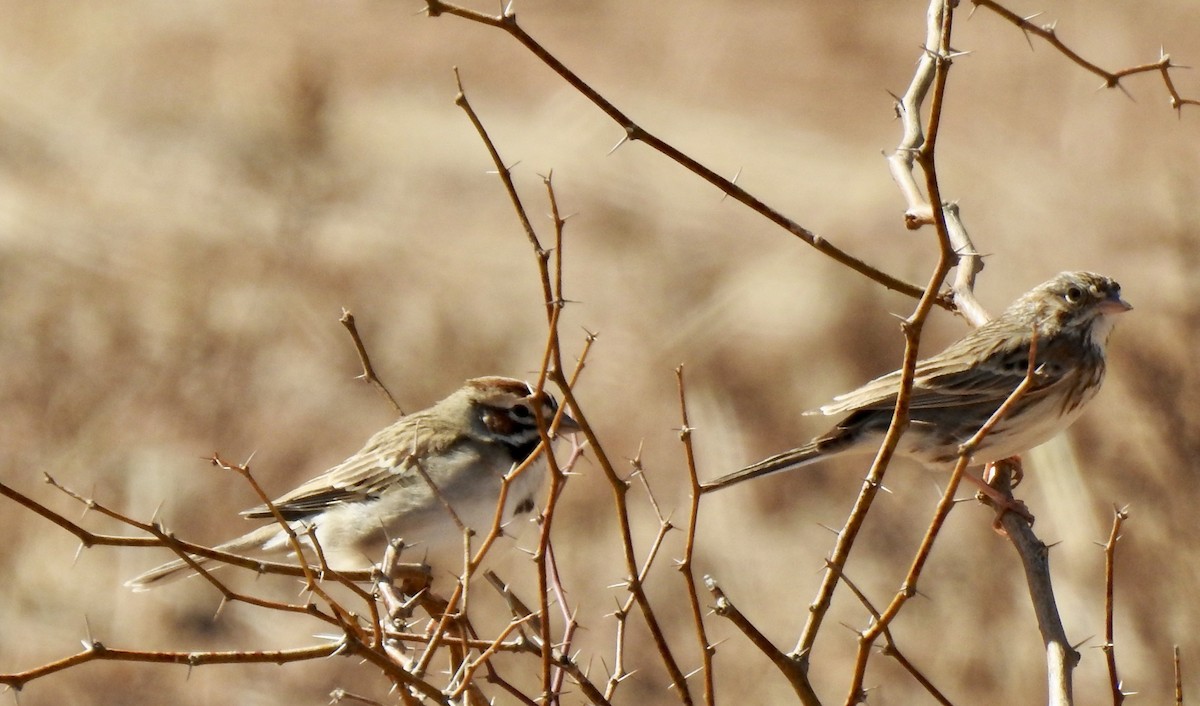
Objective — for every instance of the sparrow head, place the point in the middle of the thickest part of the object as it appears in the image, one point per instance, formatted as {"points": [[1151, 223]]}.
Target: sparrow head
{"points": [[505, 407], [1084, 302]]}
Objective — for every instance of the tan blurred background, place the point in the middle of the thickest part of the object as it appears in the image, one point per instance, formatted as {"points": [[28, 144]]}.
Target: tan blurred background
{"points": [[191, 191]]}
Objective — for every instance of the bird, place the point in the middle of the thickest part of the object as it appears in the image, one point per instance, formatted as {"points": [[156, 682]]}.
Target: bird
{"points": [[464, 444], [954, 393]]}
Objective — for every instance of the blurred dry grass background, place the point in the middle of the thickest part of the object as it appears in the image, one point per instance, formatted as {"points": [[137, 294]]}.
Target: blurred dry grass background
{"points": [[190, 192]]}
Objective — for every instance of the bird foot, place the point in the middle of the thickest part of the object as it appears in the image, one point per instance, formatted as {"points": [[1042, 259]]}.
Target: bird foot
{"points": [[1002, 501], [992, 472]]}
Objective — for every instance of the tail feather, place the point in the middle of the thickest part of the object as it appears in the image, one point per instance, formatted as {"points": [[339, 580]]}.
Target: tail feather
{"points": [[849, 435], [161, 575], [178, 569], [786, 461]]}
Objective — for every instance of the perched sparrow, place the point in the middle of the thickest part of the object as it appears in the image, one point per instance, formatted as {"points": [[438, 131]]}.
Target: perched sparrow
{"points": [[955, 392], [465, 444]]}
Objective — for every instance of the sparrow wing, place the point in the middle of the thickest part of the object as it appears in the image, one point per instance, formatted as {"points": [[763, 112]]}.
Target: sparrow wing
{"points": [[386, 459], [979, 369]]}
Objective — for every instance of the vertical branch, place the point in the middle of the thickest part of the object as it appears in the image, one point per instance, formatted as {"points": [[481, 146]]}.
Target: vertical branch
{"points": [[460, 99], [1061, 658], [685, 564], [934, 62], [917, 145], [552, 369], [1110, 561], [1178, 678]]}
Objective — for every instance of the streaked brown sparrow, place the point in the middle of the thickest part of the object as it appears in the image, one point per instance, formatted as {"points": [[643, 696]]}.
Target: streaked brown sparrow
{"points": [[955, 392], [465, 444]]}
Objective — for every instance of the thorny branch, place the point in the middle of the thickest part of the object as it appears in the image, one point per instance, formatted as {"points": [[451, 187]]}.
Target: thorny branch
{"points": [[507, 22], [916, 148], [1110, 564], [1178, 677], [1112, 79], [787, 665], [95, 650], [553, 370], [936, 61], [891, 649], [685, 564], [368, 373], [1061, 657]]}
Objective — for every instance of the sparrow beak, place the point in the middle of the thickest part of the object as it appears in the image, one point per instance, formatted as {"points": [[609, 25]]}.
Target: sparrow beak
{"points": [[1114, 304], [567, 425]]}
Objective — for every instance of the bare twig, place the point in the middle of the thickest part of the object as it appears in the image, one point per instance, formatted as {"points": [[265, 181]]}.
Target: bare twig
{"points": [[503, 171], [368, 373], [507, 22], [937, 45], [1110, 563], [97, 651], [791, 669], [312, 582], [1178, 677], [685, 564], [914, 145], [909, 588], [892, 650], [160, 538], [1112, 79], [1061, 657]]}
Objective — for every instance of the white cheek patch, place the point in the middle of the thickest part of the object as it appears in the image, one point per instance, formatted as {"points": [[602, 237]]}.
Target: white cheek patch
{"points": [[1101, 329]]}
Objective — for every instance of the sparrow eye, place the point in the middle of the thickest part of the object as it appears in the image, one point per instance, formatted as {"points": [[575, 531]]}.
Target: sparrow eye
{"points": [[522, 412], [1074, 294]]}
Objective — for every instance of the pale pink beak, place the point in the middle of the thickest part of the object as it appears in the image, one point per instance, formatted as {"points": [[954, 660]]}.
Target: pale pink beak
{"points": [[1114, 305]]}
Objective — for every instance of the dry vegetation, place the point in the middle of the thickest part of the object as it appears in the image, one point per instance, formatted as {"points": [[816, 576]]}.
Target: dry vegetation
{"points": [[192, 191]]}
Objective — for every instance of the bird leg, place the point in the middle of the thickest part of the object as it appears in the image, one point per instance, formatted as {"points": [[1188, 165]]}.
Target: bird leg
{"points": [[1012, 464], [1001, 500]]}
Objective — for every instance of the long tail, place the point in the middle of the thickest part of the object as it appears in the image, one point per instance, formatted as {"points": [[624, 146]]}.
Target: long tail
{"points": [[180, 569], [786, 461]]}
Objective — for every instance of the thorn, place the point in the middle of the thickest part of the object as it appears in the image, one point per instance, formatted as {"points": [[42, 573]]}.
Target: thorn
{"points": [[734, 180], [851, 628], [624, 139], [157, 509]]}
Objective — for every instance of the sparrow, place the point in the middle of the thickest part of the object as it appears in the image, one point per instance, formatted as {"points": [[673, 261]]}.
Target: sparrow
{"points": [[465, 444], [955, 392]]}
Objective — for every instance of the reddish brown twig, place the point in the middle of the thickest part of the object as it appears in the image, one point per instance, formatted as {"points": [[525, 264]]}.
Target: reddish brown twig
{"points": [[685, 564], [1112, 79], [368, 373], [937, 53], [1109, 647], [507, 22]]}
